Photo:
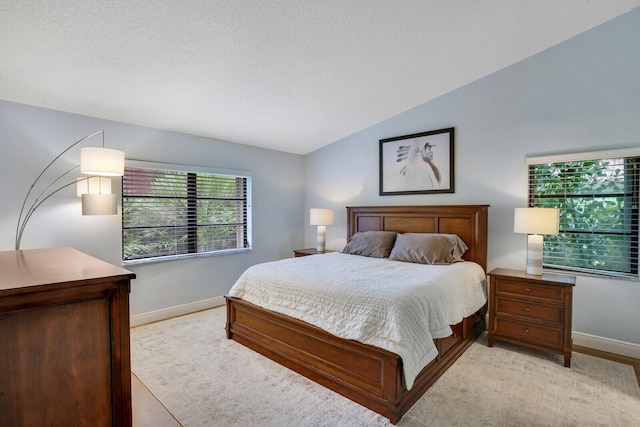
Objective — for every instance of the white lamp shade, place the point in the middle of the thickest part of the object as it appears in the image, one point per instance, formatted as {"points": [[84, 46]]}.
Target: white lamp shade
{"points": [[536, 220], [99, 204], [101, 161], [321, 216], [93, 185]]}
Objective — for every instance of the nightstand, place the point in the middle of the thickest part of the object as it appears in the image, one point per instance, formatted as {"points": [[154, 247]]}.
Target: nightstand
{"points": [[308, 251], [533, 311]]}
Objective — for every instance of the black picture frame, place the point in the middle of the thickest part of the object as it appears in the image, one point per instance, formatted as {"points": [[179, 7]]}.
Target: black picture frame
{"points": [[420, 163]]}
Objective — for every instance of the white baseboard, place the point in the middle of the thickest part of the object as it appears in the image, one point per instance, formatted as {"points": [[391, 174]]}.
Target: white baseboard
{"points": [[606, 344], [178, 310], [585, 340]]}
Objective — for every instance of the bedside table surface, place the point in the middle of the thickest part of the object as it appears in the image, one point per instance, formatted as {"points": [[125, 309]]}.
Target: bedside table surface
{"points": [[544, 278], [310, 251]]}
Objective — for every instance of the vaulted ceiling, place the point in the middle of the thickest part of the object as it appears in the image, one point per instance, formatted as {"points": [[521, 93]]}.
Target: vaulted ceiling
{"points": [[290, 75]]}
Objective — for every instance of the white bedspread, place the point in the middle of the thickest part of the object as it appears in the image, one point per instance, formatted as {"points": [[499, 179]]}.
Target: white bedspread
{"points": [[393, 305]]}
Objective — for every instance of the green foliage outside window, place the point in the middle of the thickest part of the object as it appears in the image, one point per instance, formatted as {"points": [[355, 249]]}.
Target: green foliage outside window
{"points": [[169, 213], [598, 213]]}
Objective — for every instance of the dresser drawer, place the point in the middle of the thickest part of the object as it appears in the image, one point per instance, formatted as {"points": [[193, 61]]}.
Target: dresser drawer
{"points": [[534, 334], [553, 293], [528, 310]]}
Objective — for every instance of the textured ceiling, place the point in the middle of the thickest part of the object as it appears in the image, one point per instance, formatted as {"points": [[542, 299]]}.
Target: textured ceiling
{"points": [[288, 75]]}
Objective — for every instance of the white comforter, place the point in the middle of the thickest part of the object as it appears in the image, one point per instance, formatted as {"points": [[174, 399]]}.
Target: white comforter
{"points": [[393, 305]]}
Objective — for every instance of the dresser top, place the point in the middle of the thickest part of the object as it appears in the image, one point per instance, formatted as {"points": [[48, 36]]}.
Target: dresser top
{"points": [[36, 267]]}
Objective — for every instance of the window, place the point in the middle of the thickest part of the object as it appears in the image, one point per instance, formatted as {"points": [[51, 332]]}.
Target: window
{"points": [[170, 212], [597, 194]]}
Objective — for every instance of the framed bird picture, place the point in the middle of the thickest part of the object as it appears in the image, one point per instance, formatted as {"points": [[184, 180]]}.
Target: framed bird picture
{"points": [[421, 163]]}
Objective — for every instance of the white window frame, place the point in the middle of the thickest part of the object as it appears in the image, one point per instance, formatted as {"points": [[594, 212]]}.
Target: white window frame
{"points": [[196, 169], [587, 156]]}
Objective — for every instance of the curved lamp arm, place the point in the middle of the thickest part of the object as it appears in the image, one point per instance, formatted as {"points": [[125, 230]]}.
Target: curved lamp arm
{"points": [[22, 222], [37, 202]]}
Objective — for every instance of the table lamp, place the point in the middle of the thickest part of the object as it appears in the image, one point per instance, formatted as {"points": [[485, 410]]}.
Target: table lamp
{"points": [[321, 217], [536, 222]]}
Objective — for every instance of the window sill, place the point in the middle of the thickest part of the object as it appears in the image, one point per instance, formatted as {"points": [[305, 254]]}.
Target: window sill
{"points": [[185, 256]]}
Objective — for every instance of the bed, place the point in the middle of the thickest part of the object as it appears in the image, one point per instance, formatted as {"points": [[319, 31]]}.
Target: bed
{"points": [[367, 374]]}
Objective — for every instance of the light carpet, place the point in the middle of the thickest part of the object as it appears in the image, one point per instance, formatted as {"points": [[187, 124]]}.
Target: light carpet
{"points": [[206, 380]]}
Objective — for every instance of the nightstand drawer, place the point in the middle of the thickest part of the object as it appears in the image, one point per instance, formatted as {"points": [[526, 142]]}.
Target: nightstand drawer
{"points": [[534, 334], [528, 310], [553, 293]]}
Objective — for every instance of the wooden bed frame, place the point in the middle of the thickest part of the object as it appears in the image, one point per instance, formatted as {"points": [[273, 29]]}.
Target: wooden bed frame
{"points": [[365, 374]]}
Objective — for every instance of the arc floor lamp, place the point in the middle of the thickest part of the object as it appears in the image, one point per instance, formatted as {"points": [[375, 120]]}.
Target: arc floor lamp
{"points": [[98, 164]]}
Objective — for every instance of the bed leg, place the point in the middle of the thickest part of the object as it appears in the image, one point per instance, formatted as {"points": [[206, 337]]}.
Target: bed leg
{"points": [[227, 326]]}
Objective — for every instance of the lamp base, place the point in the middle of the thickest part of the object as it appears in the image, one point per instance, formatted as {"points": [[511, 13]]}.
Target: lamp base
{"points": [[322, 236], [535, 243]]}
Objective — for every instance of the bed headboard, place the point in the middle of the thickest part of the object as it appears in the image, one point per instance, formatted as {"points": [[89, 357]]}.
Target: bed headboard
{"points": [[467, 221]]}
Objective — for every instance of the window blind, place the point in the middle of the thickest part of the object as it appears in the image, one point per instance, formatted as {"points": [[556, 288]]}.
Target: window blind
{"points": [[597, 194], [170, 213]]}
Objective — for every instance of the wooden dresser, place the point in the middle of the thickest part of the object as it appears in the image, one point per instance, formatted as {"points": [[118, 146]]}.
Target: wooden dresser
{"points": [[534, 311], [64, 340]]}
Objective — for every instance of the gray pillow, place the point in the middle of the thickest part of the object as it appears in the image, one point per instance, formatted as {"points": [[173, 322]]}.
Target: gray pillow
{"points": [[375, 244], [428, 248]]}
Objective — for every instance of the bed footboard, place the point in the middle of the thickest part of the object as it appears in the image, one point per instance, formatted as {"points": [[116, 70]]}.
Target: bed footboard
{"points": [[365, 374]]}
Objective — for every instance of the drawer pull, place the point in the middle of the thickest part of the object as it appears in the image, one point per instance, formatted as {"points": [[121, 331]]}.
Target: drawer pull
{"points": [[526, 330], [527, 309], [527, 289]]}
